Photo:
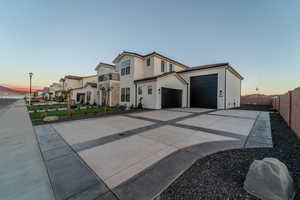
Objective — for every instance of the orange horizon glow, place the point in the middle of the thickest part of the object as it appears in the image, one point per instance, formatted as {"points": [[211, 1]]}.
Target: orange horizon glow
{"points": [[25, 90]]}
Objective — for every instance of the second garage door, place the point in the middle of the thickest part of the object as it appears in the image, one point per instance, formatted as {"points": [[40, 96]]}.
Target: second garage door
{"points": [[204, 91], [171, 98]]}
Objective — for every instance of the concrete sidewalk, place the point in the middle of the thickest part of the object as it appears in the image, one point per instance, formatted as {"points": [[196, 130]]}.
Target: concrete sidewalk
{"points": [[23, 175]]}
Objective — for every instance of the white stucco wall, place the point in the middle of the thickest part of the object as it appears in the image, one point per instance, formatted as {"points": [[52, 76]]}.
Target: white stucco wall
{"points": [[72, 83], [140, 68], [85, 90], [153, 101], [233, 90], [149, 100], [91, 79], [126, 81], [221, 82]]}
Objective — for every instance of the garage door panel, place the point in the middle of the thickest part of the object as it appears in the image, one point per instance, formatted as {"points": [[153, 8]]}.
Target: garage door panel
{"points": [[171, 98], [204, 91]]}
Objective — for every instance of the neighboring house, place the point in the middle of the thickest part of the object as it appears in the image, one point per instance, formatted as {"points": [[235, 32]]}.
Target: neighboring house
{"points": [[162, 82], [82, 88], [85, 94], [53, 90], [108, 84]]}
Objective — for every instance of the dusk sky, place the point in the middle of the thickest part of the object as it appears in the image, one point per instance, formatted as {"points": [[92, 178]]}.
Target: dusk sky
{"points": [[53, 38]]}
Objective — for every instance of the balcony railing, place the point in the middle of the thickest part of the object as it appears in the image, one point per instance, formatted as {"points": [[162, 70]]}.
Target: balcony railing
{"points": [[110, 76]]}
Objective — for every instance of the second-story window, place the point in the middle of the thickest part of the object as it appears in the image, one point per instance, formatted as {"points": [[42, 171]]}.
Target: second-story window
{"points": [[162, 66], [127, 70], [125, 67], [171, 67], [100, 78], [122, 71], [148, 61]]}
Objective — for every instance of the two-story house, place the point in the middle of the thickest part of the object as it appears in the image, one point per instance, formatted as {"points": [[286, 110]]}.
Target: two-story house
{"points": [[161, 82], [53, 90], [83, 88], [108, 84]]}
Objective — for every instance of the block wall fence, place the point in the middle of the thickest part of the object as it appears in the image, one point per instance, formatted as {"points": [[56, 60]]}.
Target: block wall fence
{"points": [[288, 105], [259, 100]]}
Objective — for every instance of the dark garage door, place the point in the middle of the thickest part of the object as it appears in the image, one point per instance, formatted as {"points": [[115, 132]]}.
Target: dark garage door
{"points": [[204, 91], [171, 98]]}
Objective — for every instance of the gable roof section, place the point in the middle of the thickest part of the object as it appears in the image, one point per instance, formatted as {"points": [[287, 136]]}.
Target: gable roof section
{"points": [[105, 64], [153, 78], [78, 77], [124, 53], [211, 66], [201, 67], [73, 77]]}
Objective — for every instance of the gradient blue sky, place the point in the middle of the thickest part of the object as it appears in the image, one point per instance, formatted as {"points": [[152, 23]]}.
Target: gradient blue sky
{"points": [[52, 38]]}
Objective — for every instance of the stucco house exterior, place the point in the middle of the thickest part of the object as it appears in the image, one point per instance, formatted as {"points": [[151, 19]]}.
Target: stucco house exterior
{"points": [[162, 82], [108, 84], [53, 91], [82, 88], [85, 94]]}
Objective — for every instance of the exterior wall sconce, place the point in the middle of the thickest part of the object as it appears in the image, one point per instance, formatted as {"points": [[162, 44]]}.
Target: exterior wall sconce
{"points": [[221, 93]]}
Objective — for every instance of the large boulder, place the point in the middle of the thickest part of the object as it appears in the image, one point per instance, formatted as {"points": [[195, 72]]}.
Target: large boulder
{"points": [[51, 118], [269, 179]]}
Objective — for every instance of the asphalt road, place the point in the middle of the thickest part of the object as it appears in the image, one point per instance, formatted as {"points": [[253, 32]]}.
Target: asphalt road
{"points": [[4, 103]]}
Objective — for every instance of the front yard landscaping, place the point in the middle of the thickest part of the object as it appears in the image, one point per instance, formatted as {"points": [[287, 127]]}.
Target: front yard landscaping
{"points": [[221, 175], [35, 113], [46, 107]]}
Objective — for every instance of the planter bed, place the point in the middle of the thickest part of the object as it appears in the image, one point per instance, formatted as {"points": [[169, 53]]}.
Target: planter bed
{"points": [[45, 107], [221, 175], [79, 116]]}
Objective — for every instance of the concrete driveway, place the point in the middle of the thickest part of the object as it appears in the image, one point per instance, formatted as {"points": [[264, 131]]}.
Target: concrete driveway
{"points": [[135, 156]]}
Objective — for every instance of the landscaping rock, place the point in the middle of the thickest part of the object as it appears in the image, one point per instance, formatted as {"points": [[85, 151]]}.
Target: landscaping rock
{"points": [[221, 176], [269, 179], [51, 118]]}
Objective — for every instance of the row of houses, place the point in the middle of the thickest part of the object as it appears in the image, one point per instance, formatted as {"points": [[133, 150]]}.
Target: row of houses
{"points": [[156, 81]]}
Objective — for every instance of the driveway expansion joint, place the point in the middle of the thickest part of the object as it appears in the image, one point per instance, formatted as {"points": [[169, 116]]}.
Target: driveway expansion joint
{"points": [[121, 135]]}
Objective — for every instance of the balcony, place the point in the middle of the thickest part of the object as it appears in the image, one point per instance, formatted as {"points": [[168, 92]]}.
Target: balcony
{"points": [[110, 76]]}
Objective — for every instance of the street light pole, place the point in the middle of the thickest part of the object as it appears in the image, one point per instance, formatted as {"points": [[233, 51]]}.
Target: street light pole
{"points": [[30, 77]]}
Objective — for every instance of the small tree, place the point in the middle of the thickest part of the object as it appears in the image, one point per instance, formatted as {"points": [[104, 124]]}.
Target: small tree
{"points": [[105, 94], [140, 105], [67, 95]]}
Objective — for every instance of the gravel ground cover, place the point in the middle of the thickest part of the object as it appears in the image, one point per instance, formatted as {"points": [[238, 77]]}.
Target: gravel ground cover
{"points": [[221, 175]]}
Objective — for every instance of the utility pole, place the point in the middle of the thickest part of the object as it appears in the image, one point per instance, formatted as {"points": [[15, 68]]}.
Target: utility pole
{"points": [[30, 77]]}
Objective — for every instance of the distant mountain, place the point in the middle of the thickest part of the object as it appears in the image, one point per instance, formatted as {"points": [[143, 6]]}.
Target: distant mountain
{"points": [[9, 91]]}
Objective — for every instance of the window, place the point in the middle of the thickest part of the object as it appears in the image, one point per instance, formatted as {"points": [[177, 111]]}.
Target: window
{"points": [[128, 94], [88, 96], [123, 94], [171, 67], [125, 67], [122, 71], [162, 66], [140, 91], [100, 78], [127, 70], [150, 89], [148, 61]]}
